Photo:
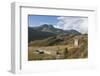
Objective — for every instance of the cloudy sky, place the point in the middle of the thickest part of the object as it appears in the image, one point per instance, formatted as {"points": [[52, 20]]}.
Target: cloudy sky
{"points": [[63, 22]]}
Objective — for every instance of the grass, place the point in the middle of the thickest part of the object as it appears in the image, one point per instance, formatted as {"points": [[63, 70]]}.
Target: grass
{"points": [[59, 49], [73, 52]]}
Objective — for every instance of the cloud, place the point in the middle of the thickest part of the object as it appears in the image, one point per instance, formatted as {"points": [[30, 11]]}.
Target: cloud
{"points": [[31, 25], [77, 23]]}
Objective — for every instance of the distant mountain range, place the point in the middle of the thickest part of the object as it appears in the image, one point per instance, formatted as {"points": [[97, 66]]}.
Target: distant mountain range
{"points": [[45, 31]]}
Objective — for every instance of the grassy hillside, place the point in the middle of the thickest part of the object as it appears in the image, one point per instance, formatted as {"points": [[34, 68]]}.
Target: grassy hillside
{"points": [[38, 35], [58, 40], [60, 47]]}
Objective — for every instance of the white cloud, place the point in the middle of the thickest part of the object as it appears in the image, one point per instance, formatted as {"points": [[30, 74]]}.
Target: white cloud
{"points": [[31, 25], [77, 23]]}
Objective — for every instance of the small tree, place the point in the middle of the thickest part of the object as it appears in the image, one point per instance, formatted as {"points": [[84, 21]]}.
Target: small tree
{"points": [[65, 52]]}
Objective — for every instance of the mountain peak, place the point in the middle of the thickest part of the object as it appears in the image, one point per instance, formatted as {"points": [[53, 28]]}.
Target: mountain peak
{"points": [[50, 28], [47, 26]]}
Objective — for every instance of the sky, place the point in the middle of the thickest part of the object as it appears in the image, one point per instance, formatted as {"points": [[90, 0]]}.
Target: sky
{"points": [[63, 22], [37, 20]]}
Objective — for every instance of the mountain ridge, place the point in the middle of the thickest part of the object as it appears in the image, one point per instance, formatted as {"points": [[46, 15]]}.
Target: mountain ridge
{"points": [[52, 29], [48, 30]]}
